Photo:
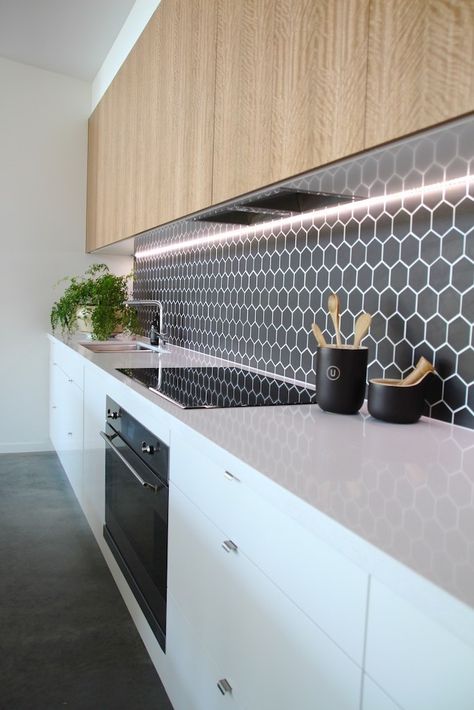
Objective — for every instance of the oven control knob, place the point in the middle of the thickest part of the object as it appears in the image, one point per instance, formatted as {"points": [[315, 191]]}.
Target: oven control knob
{"points": [[147, 448], [112, 415]]}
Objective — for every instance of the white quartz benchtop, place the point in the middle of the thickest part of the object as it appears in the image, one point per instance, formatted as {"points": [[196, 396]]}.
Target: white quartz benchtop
{"points": [[406, 489]]}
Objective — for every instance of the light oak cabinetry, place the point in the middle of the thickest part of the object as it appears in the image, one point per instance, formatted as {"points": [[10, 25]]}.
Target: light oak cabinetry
{"points": [[421, 65], [244, 93], [290, 89], [219, 98], [151, 136], [175, 104]]}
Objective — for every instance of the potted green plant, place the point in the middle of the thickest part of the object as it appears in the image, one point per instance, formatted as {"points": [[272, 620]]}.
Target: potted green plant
{"points": [[99, 296]]}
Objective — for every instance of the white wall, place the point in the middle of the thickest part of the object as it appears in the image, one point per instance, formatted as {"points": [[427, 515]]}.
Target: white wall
{"points": [[132, 28], [43, 156]]}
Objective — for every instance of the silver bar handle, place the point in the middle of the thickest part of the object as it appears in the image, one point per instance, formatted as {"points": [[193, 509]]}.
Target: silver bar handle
{"points": [[224, 686], [229, 546], [108, 440], [230, 476]]}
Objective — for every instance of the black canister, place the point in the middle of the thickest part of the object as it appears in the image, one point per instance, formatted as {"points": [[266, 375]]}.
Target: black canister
{"points": [[341, 375], [390, 401]]}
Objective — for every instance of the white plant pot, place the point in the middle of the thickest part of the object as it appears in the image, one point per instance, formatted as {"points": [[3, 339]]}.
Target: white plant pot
{"points": [[84, 321]]}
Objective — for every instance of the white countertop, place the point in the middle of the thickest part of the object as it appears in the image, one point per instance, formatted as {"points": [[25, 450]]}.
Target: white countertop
{"points": [[408, 490]]}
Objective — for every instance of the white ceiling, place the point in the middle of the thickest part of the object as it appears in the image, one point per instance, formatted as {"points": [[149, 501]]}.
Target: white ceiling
{"points": [[70, 37]]}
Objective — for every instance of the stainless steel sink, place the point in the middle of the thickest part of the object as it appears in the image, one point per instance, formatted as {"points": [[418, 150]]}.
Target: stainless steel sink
{"points": [[119, 347]]}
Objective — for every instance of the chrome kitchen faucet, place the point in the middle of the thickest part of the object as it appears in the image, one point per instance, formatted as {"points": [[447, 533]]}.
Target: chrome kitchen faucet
{"points": [[161, 334]]}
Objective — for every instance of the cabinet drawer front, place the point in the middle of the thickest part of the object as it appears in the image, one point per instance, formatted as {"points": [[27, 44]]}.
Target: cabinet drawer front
{"points": [[373, 698], [192, 674], [276, 656], [418, 662], [329, 588], [69, 362]]}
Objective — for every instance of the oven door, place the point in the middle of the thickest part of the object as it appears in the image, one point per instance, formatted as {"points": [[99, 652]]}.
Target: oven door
{"points": [[136, 527]]}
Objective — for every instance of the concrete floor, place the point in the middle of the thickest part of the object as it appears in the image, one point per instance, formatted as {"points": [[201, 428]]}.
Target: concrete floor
{"points": [[66, 638]]}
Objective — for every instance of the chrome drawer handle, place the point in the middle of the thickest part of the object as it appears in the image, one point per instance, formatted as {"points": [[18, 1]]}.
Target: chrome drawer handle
{"points": [[224, 686], [229, 546], [230, 476]]}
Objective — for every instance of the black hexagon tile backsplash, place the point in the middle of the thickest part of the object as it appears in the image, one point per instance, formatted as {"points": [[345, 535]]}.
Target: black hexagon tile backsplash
{"points": [[409, 262]]}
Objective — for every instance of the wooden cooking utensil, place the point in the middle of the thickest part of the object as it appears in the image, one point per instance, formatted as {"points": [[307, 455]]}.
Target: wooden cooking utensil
{"points": [[319, 337], [422, 367], [361, 327], [333, 307]]}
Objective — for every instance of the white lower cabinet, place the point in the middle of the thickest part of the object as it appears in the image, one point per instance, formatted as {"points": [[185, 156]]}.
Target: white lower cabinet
{"points": [[419, 663], [327, 586], [95, 393], [262, 614], [66, 421], [192, 675], [273, 656], [373, 697]]}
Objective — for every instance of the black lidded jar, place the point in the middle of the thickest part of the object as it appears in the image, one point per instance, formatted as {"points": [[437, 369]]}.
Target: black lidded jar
{"points": [[341, 377], [391, 402]]}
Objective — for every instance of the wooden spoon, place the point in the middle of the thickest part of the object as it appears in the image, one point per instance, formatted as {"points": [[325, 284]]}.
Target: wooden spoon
{"points": [[333, 307], [361, 327], [423, 366], [318, 335]]}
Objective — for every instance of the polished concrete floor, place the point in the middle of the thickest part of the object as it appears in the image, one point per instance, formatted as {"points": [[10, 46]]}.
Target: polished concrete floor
{"points": [[66, 639]]}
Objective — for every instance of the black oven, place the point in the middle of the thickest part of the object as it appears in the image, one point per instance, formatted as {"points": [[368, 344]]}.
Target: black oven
{"points": [[136, 511]]}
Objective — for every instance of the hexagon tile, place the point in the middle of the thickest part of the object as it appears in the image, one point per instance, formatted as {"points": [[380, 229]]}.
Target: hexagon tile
{"points": [[409, 261]]}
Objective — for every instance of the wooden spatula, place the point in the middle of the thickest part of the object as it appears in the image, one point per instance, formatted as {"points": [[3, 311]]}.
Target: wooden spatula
{"points": [[422, 367], [333, 307], [319, 337], [361, 327]]}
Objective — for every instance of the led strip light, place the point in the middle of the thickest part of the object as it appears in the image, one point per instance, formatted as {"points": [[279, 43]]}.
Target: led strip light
{"points": [[280, 224]]}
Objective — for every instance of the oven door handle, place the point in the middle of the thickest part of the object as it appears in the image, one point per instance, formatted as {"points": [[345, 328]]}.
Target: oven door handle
{"points": [[145, 484]]}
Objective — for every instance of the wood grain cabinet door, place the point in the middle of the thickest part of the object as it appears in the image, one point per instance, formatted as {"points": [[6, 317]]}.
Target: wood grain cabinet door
{"points": [[290, 89], [112, 160], [151, 136], [421, 65], [175, 105], [319, 83]]}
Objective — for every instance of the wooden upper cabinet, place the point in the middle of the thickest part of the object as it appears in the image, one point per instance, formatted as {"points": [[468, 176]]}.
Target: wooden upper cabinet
{"points": [[151, 136], [175, 107], [319, 82], [221, 97], [290, 89], [93, 180], [421, 65], [243, 111]]}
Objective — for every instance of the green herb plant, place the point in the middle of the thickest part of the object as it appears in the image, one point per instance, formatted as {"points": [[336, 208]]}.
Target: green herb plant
{"points": [[99, 295]]}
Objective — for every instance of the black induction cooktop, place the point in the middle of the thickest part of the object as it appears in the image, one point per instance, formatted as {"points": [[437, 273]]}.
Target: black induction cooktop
{"points": [[218, 387]]}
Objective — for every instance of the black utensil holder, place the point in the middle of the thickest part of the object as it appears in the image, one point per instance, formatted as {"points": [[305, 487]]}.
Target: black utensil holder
{"points": [[341, 376]]}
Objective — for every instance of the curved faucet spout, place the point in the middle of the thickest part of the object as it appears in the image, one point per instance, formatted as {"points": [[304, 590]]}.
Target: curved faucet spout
{"points": [[139, 302]]}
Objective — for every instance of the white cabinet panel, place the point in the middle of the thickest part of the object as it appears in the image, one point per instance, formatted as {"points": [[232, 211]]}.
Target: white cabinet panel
{"points": [[93, 486], [192, 674], [70, 362], [373, 698], [418, 662], [71, 424], [66, 413], [324, 584], [277, 658], [56, 387]]}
